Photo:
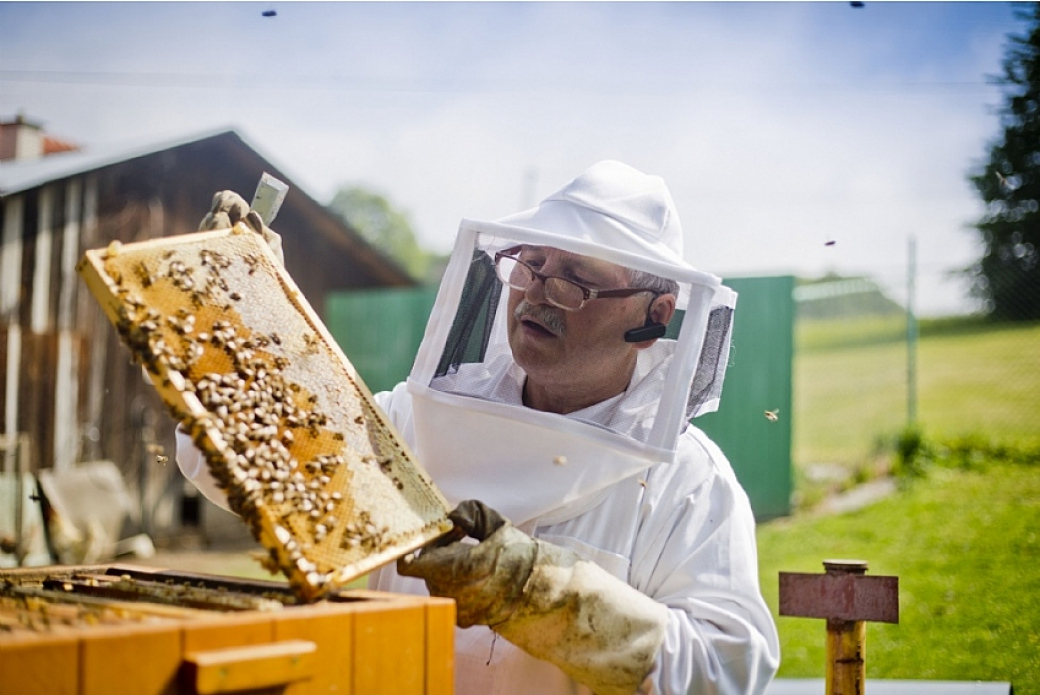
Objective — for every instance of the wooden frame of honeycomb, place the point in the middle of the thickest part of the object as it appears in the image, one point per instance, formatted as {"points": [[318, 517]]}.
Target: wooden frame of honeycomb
{"points": [[289, 430]]}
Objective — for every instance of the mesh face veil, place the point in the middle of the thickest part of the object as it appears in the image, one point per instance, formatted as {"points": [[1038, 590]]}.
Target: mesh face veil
{"points": [[548, 326]]}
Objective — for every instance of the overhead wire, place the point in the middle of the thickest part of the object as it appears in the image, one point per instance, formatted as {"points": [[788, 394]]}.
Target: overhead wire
{"points": [[119, 78]]}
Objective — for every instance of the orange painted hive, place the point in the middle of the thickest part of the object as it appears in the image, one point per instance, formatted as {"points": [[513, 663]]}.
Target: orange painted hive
{"points": [[117, 630]]}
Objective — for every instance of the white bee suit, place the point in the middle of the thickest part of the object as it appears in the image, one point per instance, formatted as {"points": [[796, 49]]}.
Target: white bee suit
{"points": [[627, 483]]}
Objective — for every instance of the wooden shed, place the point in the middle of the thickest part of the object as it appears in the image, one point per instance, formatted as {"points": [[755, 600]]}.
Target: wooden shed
{"points": [[68, 392]]}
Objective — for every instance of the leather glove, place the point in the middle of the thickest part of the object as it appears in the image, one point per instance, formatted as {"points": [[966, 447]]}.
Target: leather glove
{"points": [[546, 600], [228, 209], [486, 579]]}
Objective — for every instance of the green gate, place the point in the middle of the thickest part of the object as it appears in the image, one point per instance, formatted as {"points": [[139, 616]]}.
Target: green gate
{"points": [[380, 331], [753, 423]]}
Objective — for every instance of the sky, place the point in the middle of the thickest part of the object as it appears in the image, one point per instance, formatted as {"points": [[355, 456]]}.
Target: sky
{"points": [[779, 127]]}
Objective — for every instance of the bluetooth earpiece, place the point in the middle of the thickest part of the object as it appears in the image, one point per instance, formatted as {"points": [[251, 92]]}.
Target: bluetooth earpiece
{"points": [[649, 331]]}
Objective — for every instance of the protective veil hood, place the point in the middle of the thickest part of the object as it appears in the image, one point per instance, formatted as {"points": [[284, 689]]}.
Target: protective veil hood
{"points": [[614, 207], [472, 431]]}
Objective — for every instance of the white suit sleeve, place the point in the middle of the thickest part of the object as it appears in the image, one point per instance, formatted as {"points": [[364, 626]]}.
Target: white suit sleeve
{"points": [[397, 406], [193, 465], [697, 555]]}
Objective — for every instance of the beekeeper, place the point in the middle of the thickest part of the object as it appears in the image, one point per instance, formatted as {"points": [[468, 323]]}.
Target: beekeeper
{"points": [[611, 548]]}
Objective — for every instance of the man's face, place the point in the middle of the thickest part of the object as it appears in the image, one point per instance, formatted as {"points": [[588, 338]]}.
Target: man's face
{"points": [[574, 356]]}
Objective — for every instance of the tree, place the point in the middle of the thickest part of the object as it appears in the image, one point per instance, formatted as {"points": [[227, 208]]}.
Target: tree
{"points": [[388, 229], [1008, 275]]}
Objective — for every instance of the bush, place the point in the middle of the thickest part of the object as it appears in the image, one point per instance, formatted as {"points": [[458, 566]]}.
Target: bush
{"points": [[911, 453], [914, 454]]}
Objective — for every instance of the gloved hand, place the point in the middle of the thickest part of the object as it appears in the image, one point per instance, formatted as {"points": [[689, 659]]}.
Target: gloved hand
{"points": [[546, 600], [229, 208]]}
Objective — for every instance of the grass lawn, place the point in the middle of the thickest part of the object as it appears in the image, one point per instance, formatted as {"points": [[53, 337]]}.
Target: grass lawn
{"points": [[850, 385], [984, 382], [965, 545]]}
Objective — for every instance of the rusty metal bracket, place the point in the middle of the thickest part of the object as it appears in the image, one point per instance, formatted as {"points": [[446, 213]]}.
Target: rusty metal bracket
{"points": [[846, 598]]}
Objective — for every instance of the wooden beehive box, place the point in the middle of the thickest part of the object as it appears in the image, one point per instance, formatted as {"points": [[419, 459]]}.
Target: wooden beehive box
{"points": [[288, 428], [117, 630]]}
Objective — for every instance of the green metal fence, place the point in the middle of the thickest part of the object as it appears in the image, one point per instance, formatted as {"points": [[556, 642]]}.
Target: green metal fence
{"points": [[380, 331]]}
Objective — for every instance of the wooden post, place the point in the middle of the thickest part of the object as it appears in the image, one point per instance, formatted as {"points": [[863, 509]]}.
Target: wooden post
{"points": [[846, 598]]}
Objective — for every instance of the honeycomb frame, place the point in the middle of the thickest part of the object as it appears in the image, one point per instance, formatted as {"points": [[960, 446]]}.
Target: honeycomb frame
{"points": [[289, 430]]}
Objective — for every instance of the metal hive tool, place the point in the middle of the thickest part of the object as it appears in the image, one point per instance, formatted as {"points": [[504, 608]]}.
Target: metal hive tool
{"points": [[289, 430]]}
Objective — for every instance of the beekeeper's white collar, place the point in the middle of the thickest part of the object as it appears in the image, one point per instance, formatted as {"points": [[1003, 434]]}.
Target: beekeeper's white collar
{"points": [[529, 464]]}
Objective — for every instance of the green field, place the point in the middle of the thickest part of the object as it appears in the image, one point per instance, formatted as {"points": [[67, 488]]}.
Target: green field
{"points": [[851, 386]]}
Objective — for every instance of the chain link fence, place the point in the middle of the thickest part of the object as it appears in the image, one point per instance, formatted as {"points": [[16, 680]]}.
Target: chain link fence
{"points": [[867, 368]]}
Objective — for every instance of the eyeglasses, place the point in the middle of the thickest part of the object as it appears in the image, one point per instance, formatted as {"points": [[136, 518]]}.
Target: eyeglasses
{"points": [[560, 292]]}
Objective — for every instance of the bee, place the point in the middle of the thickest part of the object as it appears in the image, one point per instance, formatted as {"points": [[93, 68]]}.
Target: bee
{"points": [[251, 260], [773, 415], [144, 274], [160, 456], [1004, 183]]}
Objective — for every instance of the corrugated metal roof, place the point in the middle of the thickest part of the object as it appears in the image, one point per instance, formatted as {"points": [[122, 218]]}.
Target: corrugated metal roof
{"points": [[16, 176]]}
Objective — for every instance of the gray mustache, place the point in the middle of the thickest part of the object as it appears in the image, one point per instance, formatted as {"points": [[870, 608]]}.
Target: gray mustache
{"points": [[548, 316]]}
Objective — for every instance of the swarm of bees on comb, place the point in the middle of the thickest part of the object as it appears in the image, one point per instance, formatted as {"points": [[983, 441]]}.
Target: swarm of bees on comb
{"points": [[288, 429]]}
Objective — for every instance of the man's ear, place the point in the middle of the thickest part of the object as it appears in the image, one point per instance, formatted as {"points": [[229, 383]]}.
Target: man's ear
{"points": [[659, 314], [663, 308]]}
